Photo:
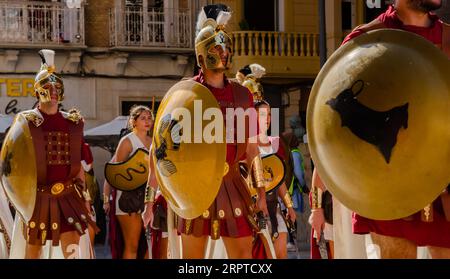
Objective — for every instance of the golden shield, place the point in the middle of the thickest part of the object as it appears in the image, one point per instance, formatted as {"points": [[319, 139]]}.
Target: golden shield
{"points": [[274, 173], [379, 124], [130, 174], [189, 165], [18, 166]]}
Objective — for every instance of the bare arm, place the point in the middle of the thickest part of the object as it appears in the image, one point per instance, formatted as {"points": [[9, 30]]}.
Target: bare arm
{"points": [[150, 193], [317, 182], [286, 198], [282, 190], [152, 182], [252, 155], [123, 150], [317, 218]]}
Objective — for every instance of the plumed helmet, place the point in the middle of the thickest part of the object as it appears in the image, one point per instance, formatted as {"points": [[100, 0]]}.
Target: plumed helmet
{"points": [[46, 78], [249, 77], [211, 34]]}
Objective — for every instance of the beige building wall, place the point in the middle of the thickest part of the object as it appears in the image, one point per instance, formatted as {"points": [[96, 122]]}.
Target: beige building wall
{"points": [[302, 16], [97, 22]]}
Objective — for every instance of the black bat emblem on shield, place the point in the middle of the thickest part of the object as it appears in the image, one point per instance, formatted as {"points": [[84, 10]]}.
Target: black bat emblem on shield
{"points": [[379, 128]]}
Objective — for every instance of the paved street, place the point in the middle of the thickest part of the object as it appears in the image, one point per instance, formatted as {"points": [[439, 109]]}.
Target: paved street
{"points": [[103, 252]]}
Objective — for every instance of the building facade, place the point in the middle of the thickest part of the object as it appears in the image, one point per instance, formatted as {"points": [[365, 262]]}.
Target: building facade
{"points": [[111, 53], [115, 53]]}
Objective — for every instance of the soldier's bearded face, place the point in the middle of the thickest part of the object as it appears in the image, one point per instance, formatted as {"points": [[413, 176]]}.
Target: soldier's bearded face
{"points": [[425, 5]]}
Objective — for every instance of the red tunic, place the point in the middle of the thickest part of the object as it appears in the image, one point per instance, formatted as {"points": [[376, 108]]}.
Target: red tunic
{"points": [[230, 208], [57, 212], [391, 20], [86, 154], [436, 233], [225, 98], [57, 123]]}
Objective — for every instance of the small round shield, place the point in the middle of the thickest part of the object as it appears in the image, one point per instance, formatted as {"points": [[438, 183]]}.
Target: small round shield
{"points": [[130, 174], [379, 124], [19, 176], [274, 172], [189, 152]]}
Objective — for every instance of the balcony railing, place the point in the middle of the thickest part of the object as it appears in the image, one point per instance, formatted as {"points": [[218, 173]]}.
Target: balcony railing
{"points": [[275, 44], [282, 53], [166, 28], [40, 23]]}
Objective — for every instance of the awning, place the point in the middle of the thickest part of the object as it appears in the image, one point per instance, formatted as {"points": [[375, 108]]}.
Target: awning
{"points": [[107, 135]]}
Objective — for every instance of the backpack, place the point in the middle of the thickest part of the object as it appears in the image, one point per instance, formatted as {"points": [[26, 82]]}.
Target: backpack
{"points": [[294, 182]]}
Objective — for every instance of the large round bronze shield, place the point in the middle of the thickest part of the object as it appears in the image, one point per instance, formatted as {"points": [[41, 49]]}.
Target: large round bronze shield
{"points": [[379, 124], [189, 163], [18, 168]]}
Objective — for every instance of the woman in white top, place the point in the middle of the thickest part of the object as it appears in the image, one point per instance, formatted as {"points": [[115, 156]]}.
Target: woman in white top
{"points": [[141, 123], [272, 145]]}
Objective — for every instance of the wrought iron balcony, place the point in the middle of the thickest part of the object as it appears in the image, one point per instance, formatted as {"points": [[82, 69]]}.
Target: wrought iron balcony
{"points": [[155, 29], [36, 24]]}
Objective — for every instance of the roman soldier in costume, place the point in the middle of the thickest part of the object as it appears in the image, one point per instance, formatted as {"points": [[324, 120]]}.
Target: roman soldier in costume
{"points": [[42, 174], [396, 214], [271, 148], [225, 209], [431, 226]]}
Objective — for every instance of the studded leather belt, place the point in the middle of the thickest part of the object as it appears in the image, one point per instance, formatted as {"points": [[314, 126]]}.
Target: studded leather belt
{"points": [[57, 188]]}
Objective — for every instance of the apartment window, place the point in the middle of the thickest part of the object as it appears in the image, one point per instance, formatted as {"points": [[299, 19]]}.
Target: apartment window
{"points": [[372, 13], [157, 22], [126, 105], [347, 15], [259, 15], [40, 22]]}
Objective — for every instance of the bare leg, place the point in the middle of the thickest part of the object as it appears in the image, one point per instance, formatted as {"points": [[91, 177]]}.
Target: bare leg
{"points": [[394, 247], [164, 247], [131, 226], [238, 248], [439, 252], [280, 245], [193, 247], [331, 244], [70, 244], [33, 251], [91, 235]]}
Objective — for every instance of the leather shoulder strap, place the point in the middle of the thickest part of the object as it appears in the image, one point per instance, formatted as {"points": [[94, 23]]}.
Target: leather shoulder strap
{"points": [[446, 39]]}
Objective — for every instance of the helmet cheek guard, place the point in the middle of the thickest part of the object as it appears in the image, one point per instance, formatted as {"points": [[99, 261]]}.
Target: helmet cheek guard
{"points": [[212, 48], [46, 80], [44, 84]]}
